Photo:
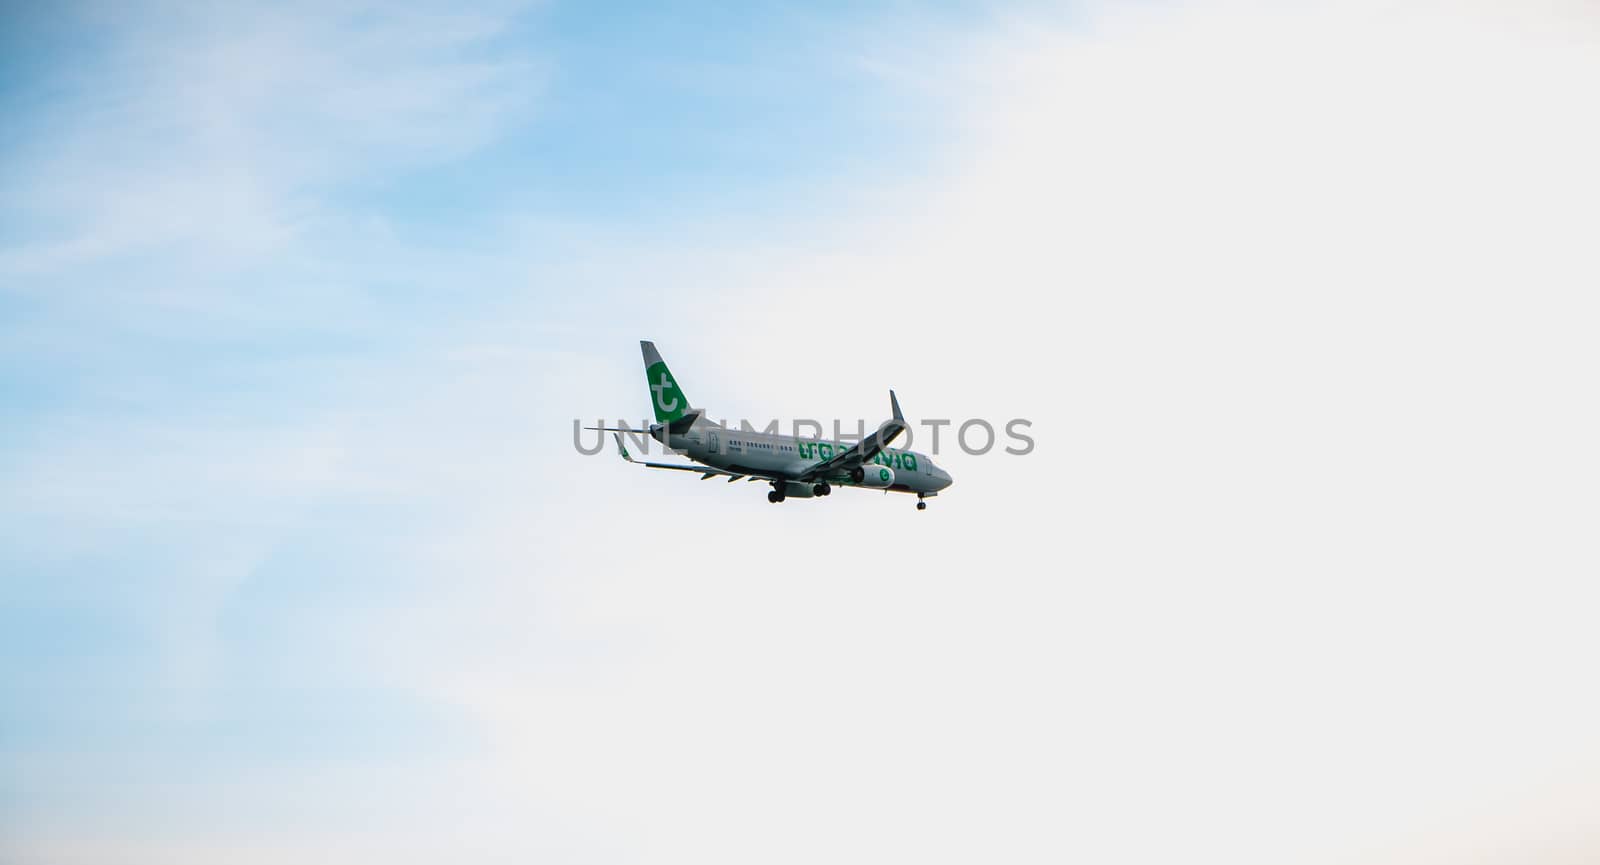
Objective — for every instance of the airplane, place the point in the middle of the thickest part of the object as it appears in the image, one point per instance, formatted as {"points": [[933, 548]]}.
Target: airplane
{"points": [[795, 467]]}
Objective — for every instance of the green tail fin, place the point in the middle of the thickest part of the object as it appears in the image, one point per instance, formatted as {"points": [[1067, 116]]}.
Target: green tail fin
{"points": [[666, 398]]}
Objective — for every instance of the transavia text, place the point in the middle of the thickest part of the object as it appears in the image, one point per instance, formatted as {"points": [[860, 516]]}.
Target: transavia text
{"points": [[975, 436]]}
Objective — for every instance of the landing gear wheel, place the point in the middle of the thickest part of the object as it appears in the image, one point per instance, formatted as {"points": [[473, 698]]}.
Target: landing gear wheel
{"points": [[922, 506], [774, 497], [821, 490]]}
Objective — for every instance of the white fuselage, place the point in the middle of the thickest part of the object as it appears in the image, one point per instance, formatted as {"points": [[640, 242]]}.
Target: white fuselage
{"points": [[779, 456]]}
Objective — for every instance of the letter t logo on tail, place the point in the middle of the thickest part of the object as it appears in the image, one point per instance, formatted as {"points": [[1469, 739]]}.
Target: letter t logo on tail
{"points": [[668, 400], [662, 388]]}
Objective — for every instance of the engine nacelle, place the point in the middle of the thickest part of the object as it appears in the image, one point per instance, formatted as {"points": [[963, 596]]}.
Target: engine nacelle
{"points": [[872, 476], [796, 490]]}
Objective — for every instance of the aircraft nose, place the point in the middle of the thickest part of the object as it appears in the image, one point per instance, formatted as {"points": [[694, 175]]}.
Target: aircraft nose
{"points": [[947, 480]]}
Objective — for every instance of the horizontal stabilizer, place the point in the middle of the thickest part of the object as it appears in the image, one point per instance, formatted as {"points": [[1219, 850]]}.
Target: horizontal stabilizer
{"points": [[682, 424]]}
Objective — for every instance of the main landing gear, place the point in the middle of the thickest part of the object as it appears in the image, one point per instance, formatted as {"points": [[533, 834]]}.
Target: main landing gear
{"points": [[775, 496], [821, 489]]}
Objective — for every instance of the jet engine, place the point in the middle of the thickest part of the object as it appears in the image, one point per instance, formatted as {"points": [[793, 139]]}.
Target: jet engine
{"points": [[873, 477], [795, 490]]}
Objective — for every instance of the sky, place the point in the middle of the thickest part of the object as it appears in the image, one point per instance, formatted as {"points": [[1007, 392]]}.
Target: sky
{"points": [[299, 304]]}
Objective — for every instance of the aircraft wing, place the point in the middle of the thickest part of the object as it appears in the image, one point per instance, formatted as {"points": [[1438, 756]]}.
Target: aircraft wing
{"points": [[706, 472], [862, 451]]}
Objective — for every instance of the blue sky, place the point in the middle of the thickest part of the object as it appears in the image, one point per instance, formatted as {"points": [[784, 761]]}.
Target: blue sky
{"points": [[245, 236], [298, 305]]}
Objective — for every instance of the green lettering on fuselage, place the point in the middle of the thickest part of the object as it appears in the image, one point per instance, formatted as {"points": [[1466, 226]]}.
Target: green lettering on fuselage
{"points": [[897, 460]]}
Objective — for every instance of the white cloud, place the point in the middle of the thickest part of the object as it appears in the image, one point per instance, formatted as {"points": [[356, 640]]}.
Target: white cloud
{"points": [[1299, 298]]}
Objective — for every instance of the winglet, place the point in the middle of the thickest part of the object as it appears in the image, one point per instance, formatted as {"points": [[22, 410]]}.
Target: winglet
{"points": [[895, 404], [620, 449]]}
